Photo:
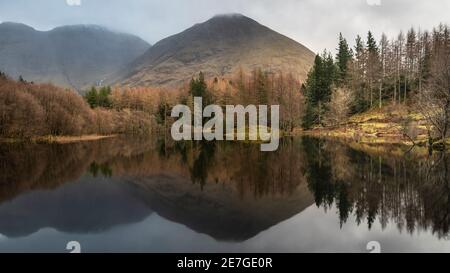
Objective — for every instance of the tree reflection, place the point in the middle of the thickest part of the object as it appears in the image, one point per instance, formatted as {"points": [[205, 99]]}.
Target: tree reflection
{"points": [[364, 183], [104, 169], [411, 190], [202, 162]]}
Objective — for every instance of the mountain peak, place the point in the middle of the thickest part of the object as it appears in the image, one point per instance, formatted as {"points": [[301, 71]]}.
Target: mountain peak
{"points": [[218, 47], [229, 15], [82, 27], [231, 18]]}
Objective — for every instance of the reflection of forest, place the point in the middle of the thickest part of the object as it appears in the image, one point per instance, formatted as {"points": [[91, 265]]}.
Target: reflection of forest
{"points": [[230, 192], [25, 166], [408, 189], [412, 190]]}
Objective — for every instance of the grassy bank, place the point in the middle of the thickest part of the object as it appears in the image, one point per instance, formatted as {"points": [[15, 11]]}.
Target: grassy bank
{"points": [[388, 125], [71, 139], [57, 139]]}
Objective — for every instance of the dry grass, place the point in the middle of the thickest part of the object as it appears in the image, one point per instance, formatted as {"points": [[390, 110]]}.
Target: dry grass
{"points": [[385, 125], [70, 139]]}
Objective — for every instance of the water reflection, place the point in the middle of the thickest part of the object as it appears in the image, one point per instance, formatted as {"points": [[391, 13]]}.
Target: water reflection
{"points": [[88, 206], [231, 192], [410, 189]]}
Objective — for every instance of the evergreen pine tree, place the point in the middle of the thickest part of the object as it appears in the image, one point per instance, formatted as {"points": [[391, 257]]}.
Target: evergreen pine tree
{"points": [[199, 88], [372, 65], [92, 97], [318, 89], [371, 43], [343, 58], [103, 99]]}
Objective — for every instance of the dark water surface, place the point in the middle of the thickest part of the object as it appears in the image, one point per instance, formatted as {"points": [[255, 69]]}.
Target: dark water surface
{"points": [[135, 195]]}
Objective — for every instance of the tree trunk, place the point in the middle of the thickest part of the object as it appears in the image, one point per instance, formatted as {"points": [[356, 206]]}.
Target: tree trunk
{"points": [[380, 91], [406, 84], [420, 82], [446, 121], [395, 93], [320, 111]]}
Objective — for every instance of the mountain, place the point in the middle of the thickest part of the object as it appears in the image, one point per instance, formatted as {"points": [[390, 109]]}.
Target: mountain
{"points": [[218, 210], [72, 56], [73, 208], [218, 47]]}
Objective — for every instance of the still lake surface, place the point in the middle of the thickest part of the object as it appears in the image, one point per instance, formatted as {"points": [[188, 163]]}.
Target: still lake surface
{"points": [[136, 195]]}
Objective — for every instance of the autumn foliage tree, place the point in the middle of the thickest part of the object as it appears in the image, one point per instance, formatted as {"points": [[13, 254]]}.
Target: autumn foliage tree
{"points": [[33, 110]]}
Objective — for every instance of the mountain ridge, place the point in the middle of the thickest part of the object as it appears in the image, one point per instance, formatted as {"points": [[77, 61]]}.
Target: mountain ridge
{"points": [[74, 56], [219, 46]]}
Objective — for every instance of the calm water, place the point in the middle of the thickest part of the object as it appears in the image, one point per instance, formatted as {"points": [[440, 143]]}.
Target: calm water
{"points": [[134, 195]]}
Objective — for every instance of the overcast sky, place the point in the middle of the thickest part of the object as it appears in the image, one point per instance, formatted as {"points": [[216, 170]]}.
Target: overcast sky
{"points": [[314, 23]]}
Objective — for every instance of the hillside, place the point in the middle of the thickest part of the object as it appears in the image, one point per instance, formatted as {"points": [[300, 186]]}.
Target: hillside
{"points": [[71, 56], [218, 47], [391, 124]]}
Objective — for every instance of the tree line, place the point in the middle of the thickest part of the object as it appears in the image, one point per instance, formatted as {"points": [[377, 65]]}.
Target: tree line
{"points": [[411, 69], [29, 110], [244, 87], [257, 87]]}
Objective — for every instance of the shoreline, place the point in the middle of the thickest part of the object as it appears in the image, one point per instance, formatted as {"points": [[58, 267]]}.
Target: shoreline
{"points": [[378, 138], [389, 125], [335, 133], [364, 138], [58, 139]]}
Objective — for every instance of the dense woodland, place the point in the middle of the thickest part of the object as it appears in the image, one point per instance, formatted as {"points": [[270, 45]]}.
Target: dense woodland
{"points": [[257, 87], [412, 69], [30, 110]]}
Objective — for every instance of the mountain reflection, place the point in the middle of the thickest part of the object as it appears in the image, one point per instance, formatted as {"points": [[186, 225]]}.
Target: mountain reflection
{"points": [[230, 191]]}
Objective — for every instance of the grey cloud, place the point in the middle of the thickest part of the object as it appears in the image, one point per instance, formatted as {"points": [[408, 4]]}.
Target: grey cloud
{"points": [[315, 23]]}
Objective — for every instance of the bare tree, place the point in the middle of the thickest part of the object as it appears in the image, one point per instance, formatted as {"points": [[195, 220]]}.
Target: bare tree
{"points": [[339, 106], [400, 45], [384, 47], [434, 100]]}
